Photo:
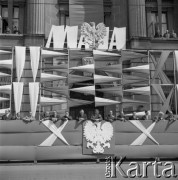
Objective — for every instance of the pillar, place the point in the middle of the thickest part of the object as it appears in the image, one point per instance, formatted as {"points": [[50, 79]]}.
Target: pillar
{"points": [[35, 17], [137, 18]]}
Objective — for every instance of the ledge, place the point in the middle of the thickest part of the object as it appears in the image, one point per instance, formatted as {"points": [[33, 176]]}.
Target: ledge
{"points": [[10, 40], [153, 43]]}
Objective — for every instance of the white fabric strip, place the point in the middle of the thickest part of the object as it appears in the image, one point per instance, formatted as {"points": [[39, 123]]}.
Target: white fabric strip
{"points": [[18, 91], [20, 53], [35, 58], [33, 93]]}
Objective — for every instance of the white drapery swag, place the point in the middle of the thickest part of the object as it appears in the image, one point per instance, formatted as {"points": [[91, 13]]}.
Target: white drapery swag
{"points": [[18, 91], [35, 58], [33, 93], [20, 53], [6, 63]]}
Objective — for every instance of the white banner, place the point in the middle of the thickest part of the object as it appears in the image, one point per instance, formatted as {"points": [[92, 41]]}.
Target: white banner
{"points": [[33, 93], [18, 91], [20, 53], [35, 57]]}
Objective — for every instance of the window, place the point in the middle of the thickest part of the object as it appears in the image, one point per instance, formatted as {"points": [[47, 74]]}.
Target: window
{"points": [[4, 24], [4, 16], [155, 23], [160, 18], [15, 21]]}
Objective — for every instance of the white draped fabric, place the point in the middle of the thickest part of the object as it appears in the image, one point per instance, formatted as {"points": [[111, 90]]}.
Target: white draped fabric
{"points": [[4, 99], [77, 102], [141, 69], [102, 53], [35, 58], [20, 60], [51, 77], [87, 68], [6, 63], [33, 93], [4, 74], [48, 54], [104, 102], [86, 89], [46, 100], [5, 52], [102, 79], [18, 91], [5, 89], [116, 68], [141, 90]]}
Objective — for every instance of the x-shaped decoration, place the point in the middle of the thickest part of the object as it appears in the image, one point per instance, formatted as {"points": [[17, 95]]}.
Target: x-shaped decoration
{"points": [[56, 133], [145, 133], [166, 101], [158, 67]]}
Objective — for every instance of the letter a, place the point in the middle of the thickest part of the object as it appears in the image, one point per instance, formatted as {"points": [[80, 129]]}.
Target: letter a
{"points": [[118, 38]]}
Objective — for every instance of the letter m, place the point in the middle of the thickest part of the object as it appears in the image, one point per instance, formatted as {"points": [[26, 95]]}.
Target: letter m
{"points": [[58, 35]]}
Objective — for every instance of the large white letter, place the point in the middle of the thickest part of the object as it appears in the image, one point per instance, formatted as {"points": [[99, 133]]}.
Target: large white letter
{"points": [[58, 34], [118, 38], [82, 43]]}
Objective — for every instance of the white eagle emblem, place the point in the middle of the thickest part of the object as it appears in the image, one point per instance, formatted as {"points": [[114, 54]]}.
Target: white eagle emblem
{"points": [[98, 136], [93, 36]]}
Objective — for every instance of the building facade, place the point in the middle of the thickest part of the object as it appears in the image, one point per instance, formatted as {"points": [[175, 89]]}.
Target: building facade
{"points": [[150, 24], [29, 22]]}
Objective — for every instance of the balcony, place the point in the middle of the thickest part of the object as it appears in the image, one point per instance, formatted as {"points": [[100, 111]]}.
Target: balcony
{"points": [[150, 43], [21, 40]]}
